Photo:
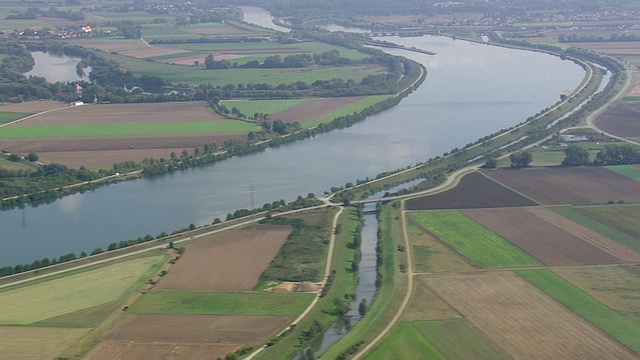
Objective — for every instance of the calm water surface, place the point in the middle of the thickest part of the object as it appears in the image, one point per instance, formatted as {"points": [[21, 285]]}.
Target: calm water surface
{"points": [[471, 90], [55, 68]]}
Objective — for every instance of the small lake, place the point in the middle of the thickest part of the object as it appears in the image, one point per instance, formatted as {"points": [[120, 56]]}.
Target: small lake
{"points": [[56, 68]]}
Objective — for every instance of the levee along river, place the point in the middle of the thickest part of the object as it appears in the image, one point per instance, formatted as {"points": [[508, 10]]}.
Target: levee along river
{"points": [[471, 90]]}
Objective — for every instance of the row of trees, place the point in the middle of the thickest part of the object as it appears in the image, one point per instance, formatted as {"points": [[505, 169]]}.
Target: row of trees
{"points": [[328, 58], [610, 155]]}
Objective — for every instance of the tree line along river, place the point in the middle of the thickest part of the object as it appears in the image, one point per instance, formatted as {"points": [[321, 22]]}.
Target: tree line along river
{"points": [[471, 90]]}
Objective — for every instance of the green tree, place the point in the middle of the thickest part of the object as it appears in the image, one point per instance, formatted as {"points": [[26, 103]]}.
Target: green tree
{"points": [[32, 157], [575, 156], [520, 159]]}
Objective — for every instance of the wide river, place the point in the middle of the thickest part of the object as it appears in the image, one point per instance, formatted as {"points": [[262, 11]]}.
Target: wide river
{"points": [[471, 90]]}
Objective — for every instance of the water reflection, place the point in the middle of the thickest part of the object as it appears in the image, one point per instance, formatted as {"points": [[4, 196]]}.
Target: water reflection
{"points": [[55, 68]]}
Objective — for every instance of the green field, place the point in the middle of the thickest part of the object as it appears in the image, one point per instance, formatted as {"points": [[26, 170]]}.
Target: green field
{"points": [[595, 225], [118, 130], [250, 107], [459, 339], [608, 320], [10, 165], [6, 117], [474, 241], [347, 110], [32, 303], [404, 342], [626, 170], [621, 217], [200, 75], [222, 303]]}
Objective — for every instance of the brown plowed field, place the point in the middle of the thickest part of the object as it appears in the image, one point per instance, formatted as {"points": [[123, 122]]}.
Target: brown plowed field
{"points": [[167, 112], [474, 191], [195, 335], [129, 48], [621, 120], [551, 238], [104, 152], [230, 261], [579, 185], [33, 106], [525, 322], [313, 108]]}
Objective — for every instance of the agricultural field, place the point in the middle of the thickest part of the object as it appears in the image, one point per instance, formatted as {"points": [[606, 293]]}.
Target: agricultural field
{"points": [[617, 287], [429, 254], [308, 112], [31, 303], [609, 321], [100, 135], [582, 303], [222, 303], [621, 217], [472, 240], [229, 261], [192, 336], [473, 191], [620, 120], [626, 170], [44, 318], [523, 321], [559, 186], [551, 238]]}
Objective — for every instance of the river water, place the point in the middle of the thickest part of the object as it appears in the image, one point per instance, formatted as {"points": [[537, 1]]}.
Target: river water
{"points": [[471, 90]]}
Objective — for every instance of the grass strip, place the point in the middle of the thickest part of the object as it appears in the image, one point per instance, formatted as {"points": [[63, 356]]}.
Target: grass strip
{"points": [[578, 301], [595, 225], [626, 170], [405, 342], [474, 241], [117, 130], [7, 117], [222, 303], [459, 339]]}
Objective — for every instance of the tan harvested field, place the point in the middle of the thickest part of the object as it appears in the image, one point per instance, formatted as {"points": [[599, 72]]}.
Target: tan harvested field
{"points": [[525, 322], [611, 48], [28, 343], [551, 238], [472, 192], [196, 336], [618, 287], [126, 114], [126, 350], [136, 49], [635, 84], [621, 120], [33, 106], [315, 107], [426, 305], [230, 261], [579, 185]]}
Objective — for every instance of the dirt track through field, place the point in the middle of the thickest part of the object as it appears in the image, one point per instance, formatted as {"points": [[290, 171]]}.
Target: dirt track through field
{"points": [[525, 322], [230, 261]]}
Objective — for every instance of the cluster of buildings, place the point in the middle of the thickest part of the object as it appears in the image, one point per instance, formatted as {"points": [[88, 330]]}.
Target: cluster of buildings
{"points": [[66, 33]]}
